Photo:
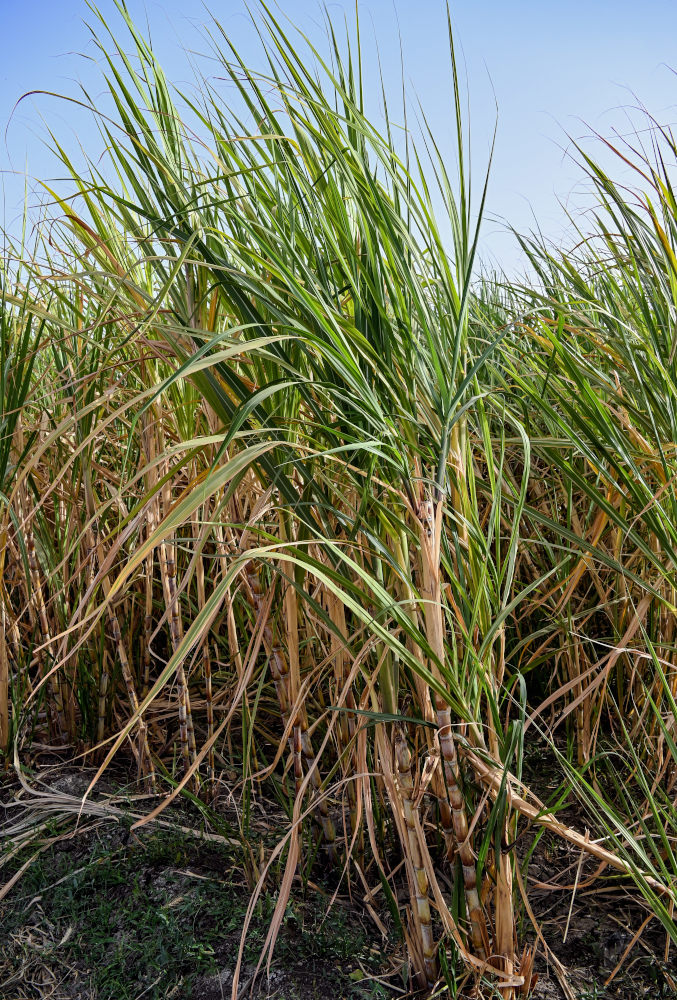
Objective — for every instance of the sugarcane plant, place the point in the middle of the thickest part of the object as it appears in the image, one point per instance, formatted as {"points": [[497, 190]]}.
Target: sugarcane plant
{"points": [[302, 481]]}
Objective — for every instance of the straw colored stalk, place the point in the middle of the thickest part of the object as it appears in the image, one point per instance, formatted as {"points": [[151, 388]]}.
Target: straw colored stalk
{"points": [[280, 672], [430, 530], [235, 654], [423, 921], [206, 658], [168, 572], [346, 726], [147, 617], [37, 603], [104, 675], [4, 659], [143, 755], [148, 445], [4, 675], [504, 940], [291, 625], [194, 318]]}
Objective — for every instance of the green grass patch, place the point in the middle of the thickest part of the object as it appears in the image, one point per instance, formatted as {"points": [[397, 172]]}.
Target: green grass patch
{"points": [[152, 917]]}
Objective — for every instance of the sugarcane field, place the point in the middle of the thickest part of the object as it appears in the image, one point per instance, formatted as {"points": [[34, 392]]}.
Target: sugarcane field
{"points": [[338, 501]]}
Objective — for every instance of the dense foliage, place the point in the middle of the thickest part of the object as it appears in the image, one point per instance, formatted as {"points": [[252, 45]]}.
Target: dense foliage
{"points": [[290, 496]]}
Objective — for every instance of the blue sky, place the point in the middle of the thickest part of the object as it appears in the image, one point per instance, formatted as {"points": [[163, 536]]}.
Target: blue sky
{"points": [[553, 68]]}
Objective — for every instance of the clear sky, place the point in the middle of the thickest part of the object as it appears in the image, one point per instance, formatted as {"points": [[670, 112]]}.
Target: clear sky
{"points": [[552, 67]]}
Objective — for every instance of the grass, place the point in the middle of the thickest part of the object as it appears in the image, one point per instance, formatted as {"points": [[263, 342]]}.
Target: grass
{"points": [[154, 916]]}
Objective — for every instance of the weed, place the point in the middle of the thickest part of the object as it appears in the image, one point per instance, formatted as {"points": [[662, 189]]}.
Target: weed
{"points": [[159, 911]]}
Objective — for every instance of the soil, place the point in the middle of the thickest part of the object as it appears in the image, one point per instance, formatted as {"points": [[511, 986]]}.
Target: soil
{"points": [[589, 925], [102, 913]]}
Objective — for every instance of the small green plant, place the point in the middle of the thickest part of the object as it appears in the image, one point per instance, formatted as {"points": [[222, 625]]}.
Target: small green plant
{"points": [[160, 910]]}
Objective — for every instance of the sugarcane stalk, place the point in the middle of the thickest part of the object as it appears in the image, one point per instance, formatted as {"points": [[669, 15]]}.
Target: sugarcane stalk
{"points": [[166, 570], [222, 552], [145, 760], [104, 682], [104, 674], [168, 573], [347, 727], [4, 660], [280, 672], [291, 624], [504, 941], [206, 659], [55, 700], [12, 626], [4, 677], [423, 920], [147, 622], [148, 444], [430, 530], [149, 565]]}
